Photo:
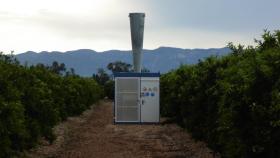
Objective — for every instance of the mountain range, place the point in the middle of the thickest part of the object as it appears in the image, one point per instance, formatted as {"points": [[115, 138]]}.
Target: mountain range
{"points": [[86, 61]]}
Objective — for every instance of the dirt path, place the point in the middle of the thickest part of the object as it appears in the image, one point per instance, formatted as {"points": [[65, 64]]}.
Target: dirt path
{"points": [[94, 135]]}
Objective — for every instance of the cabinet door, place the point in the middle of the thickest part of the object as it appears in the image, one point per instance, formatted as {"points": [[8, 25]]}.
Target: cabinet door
{"points": [[149, 99], [127, 107]]}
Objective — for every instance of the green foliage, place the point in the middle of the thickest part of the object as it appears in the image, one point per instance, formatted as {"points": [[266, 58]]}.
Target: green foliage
{"points": [[57, 68], [109, 89], [34, 99], [119, 66], [101, 77], [232, 103]]}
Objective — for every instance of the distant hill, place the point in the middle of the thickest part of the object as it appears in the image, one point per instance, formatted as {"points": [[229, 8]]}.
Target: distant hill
{"points": [[86, 61]]}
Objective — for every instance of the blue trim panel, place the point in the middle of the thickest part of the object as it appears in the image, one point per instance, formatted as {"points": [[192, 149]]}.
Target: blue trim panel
{"points": [[136, 74], [138, 123]]}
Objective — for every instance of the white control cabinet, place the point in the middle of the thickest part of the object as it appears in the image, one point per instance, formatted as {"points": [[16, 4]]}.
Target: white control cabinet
{"points": [[137, 98]]}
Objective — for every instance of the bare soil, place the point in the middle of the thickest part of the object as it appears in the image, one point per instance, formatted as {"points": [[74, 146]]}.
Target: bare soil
{"points": [[93, 135]]}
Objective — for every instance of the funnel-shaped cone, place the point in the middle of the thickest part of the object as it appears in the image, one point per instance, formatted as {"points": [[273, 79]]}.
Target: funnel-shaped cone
{"points": [[137, 33]]}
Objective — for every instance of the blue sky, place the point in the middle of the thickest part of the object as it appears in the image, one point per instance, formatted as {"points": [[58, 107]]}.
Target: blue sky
{"points": [[61, 25]]}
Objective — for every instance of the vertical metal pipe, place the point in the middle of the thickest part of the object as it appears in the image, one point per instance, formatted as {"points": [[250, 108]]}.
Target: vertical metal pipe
{"points": [[137, 33]]}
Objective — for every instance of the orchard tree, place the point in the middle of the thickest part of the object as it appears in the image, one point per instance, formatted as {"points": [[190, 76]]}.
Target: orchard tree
{"points": [[101, 76], [119, 66], [58, 68]]}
